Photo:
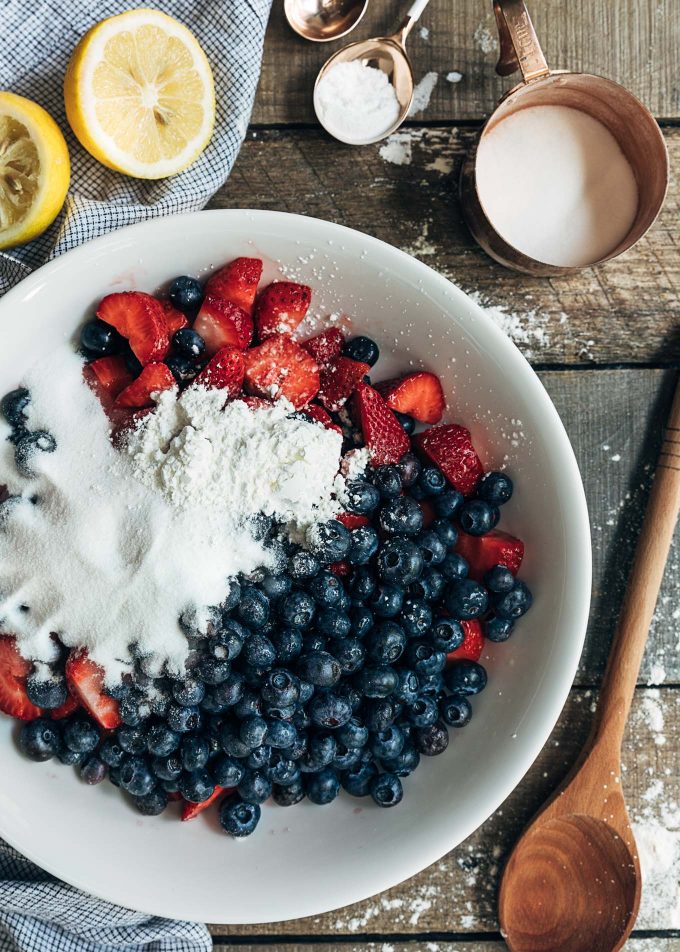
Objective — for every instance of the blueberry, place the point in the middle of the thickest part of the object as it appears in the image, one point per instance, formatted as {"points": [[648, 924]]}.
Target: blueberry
{"points": [[454, 566], [319, 668], [326, 589], [152, 804], [287, 643], [183, 719], [81, 735], [432, 549], [353, 733], [250, 703], [219, 697], [322, 787], [227, 641], [161, 741], [387, 743], [386, 643], [98, 339], [423, 712], [136, 777], [281, 734], [349, 653], [93, 770], [407, 687], [195, 752], [408, 424], [260, 758], [111, 752], [281, 687], [386, 790], [432, 685], [27, 447], [314, 641], [363, 349], [346, 757], [253, 608], [131, 739], [13, 407], [447, 634], [132, 363], [364, 544], [409, 469], [424, 658], [183, 369], [432, 481], [362, 583], [448, 503], [188, 692], [402, 516], [377, 682], [253, 731], [226, 771], [196, 785], [456, 711], [329, 541], [400, 561], [362, 497], [39, 739], [275, 586], [495, 488], [387, 480], [284, 771], [211, 671], [233, 595], [134, 708], [322, 749], [432, 740], [303, 565], [416, 617], [239, 818], [114, 776], [333, 623], [186, 294], [466, 599], [446, 533], [465, 677], [329, 710], [499, 580], [289, 794], [255, 787], [259, 651], [497, 629], [189, 343], [362, 620], [70, 757], [297, 609], [357, 780], [380, 713], [404, 763], [387, 600], [47, 694], [514, 603], [478, 517]]}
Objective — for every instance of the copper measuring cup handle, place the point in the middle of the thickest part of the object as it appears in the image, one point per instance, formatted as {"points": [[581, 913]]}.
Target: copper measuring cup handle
{"points": [[519, 46]]}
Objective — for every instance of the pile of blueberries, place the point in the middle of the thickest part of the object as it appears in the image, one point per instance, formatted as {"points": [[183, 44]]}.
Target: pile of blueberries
{"points": [[330, 672]]}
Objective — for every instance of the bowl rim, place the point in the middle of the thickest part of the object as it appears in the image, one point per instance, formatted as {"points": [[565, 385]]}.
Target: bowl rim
{"points": [[578, 530]]}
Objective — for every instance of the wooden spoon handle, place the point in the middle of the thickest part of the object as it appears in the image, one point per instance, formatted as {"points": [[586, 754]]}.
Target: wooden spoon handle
{"points": [[643, 588]]}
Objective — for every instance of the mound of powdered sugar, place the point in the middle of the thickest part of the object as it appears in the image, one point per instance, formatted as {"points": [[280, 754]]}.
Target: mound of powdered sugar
{"points": [[108, 547]]}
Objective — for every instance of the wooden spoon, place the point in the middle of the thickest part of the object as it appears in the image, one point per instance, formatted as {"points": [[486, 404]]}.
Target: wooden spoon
{"points": [[573, 881]]}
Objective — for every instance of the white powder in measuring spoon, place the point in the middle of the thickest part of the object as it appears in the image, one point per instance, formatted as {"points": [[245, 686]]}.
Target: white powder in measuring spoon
{"points": [[356, 102], [556, 186]]}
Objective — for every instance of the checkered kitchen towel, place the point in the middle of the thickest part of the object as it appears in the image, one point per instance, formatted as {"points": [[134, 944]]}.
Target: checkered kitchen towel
{"points": [[38, 913]]}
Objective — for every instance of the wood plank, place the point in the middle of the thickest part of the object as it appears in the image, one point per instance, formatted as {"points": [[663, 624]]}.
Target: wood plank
{"points": [[627, 311], [656, 944], [636, 42], [458, 894]]}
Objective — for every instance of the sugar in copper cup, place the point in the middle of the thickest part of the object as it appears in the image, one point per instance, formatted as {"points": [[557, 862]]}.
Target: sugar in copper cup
{"points": [[625, 117]]}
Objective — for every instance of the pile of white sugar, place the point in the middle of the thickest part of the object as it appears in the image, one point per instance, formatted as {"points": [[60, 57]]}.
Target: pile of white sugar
{"points": [[356, 102], [108, 547]]}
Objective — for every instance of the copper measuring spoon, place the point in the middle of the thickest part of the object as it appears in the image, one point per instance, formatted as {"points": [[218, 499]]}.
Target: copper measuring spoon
{"points": [[323, 20], [573, 880]]}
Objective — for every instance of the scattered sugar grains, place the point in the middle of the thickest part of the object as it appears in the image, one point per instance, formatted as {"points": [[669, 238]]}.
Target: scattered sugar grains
{"points": [[103, 544], [423, 92], [398, 149], [529, 332]]}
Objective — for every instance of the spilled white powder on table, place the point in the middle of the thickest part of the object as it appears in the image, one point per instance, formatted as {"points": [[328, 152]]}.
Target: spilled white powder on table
{"points": [[102, 547], [529, 331], [485, 39], [397, 149], [454, 76], [423, 92]]}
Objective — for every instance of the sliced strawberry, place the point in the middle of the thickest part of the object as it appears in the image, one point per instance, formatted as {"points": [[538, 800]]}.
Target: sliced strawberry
{"points": [[383, 434], [224, 372], [317, 413], [174, 319], [420, 395], [14, 671], [237, 282], [326, 346], [352, 521], [141, 320], [221, 324], [495, 548], [429, 515], [153, 378], [281, 368], [450, 448], [190, 810], [473, 643], [70, 705], [339, 380], [86, 682], [107, 377], [281, 307], [341, 568]]}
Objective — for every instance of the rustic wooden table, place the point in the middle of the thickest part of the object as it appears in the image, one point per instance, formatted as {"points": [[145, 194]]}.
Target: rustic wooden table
{"points": [[606, 344]]}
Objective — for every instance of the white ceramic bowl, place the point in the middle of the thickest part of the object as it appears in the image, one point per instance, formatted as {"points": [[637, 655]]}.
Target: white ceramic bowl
{"points": [[307, 860]]}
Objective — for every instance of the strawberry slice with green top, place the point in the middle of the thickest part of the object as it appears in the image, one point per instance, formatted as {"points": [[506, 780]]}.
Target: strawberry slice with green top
{"points": [[237, 282], [473, 643], [450, 448], [222, 323], [383, 434], [281, 307], [14, 671], [281, 368], [339, 380], [224, 372], [107, 376], [326, 346], [153, 379], [419, 394], [174, 319], [495, 548], [140, 319], [85, 680]]}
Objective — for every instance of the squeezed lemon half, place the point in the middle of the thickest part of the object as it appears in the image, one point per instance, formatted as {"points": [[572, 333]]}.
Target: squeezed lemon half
{"points": [[139, 94], [34, 170]]}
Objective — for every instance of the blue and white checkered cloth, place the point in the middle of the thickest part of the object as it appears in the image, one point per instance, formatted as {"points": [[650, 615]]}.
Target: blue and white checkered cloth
{"points": [[38, 913]]}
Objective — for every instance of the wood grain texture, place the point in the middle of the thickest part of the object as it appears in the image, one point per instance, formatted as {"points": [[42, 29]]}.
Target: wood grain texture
{"points": [[656, 944], [627, 311], [458, 894], [636, 42]]}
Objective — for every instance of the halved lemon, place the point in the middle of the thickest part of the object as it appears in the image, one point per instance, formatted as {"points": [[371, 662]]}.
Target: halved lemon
{"points": [[34, 170], [139, 94]]}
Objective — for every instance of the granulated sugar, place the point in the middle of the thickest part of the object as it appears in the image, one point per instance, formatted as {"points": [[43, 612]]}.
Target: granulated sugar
{"points": [[422, 93], [356, 102], [572, 196], [105, 548]]}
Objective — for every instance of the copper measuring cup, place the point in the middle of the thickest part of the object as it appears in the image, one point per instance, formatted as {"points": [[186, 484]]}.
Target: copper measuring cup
{"points": [[631, 124]]}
